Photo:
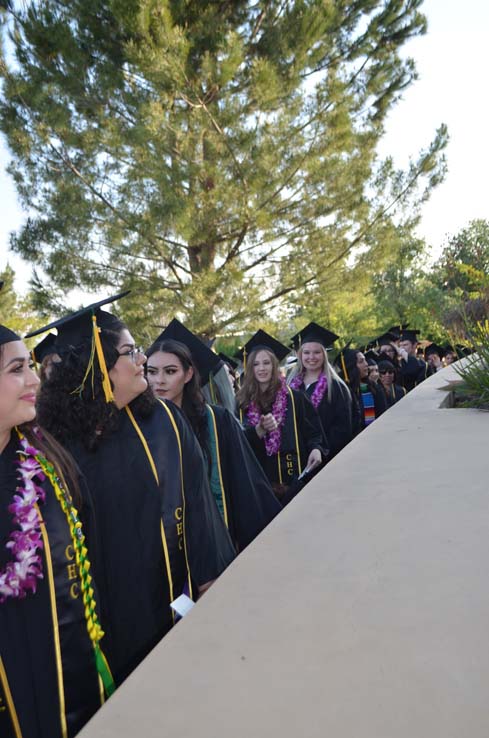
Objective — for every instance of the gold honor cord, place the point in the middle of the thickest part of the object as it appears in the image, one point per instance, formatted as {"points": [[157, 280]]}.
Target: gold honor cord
{"points": [[295, 430], [10, 702], [54, 612], [177, 434], [109, 395], [279, 468], [155, 474], [218, 457]]}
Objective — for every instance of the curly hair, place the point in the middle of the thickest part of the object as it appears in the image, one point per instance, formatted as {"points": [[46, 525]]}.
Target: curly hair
{"points": [[193, 402], [72, 406], [251, 391]]}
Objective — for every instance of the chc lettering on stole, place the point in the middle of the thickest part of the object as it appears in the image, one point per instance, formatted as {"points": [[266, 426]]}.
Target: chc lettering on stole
{"points": [[179, 526], [289, 460], [72, 572]]}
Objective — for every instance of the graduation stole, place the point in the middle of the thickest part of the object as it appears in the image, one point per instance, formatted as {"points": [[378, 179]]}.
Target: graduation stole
{"points": [[216, 483], [368, 403], [285, 462], [172, 571]]}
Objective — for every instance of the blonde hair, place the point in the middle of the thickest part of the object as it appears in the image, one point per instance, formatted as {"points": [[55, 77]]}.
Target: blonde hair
{"points": [[329, 371]]}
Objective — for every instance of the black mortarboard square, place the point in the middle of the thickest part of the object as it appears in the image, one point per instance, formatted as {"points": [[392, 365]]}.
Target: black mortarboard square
{"points": [[204, 359], [386, 338], [397, 329], [433, 348], [77, 327], [372, 356], [314, 332], [263, 340], [7, 336], [227, 359], [44, 348], [409, 335]]}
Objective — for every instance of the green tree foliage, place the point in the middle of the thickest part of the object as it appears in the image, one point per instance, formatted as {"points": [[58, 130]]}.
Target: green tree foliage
{"points": [[218, 157], [16, 312], [464, 265]]}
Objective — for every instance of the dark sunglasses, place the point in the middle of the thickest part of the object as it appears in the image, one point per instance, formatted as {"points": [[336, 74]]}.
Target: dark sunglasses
{"points": [[386, 371]]}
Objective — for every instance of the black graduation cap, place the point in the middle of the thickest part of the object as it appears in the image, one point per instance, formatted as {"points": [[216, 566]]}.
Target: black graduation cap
{"points": [[409, 335], [227, 360], [262, 340], [397, 329], [434, 348], [44, 348], [204, 359], [77, 327], [386, 338], [7, 336], [82, 326], [314, 332], [372, 357]]}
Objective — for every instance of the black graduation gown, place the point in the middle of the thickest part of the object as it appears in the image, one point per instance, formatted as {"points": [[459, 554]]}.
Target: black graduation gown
{"points": [[394, 394], [243, 493], [301, 433], [335, 416], [413, 372], [150, 470], [49, 685], [358, 410]]}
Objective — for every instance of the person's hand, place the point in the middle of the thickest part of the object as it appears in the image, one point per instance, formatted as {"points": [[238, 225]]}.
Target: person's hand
{"points": [[403, 354], [268, 423], [314, 459]]}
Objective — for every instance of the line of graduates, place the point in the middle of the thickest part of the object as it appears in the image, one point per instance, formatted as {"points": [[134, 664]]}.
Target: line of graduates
{"points": [[128, 478]]}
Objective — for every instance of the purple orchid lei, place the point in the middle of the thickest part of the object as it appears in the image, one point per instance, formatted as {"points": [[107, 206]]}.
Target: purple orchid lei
{"points": [[279, 411], [319, 389], [19, 577]]}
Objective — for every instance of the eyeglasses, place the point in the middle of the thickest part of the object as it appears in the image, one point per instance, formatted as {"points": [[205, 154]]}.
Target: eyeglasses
{"points": [[134, 353], [386, 371]]}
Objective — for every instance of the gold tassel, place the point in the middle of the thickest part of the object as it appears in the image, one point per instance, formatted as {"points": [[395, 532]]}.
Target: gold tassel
{"points": [[109, 395], [244, 359], [343, 366]]}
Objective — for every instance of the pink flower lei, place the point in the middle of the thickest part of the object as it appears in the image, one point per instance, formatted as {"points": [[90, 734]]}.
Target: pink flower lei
{"points": [[279, 411], [319, 389], [20, 575]]}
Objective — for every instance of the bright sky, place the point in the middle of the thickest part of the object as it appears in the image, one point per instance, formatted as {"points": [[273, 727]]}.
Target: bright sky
{"points": [[452, 61]]}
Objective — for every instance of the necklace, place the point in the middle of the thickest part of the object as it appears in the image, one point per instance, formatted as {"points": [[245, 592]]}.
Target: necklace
{"points": [[319, 389], [279, 411], [19, 576]]}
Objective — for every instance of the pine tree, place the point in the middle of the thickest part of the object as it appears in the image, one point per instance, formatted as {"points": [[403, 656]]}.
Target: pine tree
{"points": [[218, 157]]}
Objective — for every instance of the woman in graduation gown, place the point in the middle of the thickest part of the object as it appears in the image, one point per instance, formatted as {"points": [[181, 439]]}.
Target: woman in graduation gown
{"points": [[159, 531], [393, 391], [53, 674], [176, 362], [314, 375], [281, 424], [368, 401]]}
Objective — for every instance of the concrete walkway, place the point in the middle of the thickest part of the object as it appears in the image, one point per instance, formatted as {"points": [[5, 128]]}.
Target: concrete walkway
{"points": [[362, 611]]}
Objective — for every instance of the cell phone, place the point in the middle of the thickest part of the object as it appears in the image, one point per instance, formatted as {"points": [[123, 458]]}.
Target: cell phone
{"points": [[306, 471]]}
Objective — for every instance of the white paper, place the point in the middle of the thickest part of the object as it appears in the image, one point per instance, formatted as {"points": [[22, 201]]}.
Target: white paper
{"points": [[182, 605]]}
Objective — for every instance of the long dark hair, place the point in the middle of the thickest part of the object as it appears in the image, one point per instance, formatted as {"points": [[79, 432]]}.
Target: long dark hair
{"points": [[193, 401], [250, 390], [73, 409]]}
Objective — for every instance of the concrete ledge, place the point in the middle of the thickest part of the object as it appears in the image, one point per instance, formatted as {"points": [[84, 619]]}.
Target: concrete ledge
{"points": [[362, 610]]}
